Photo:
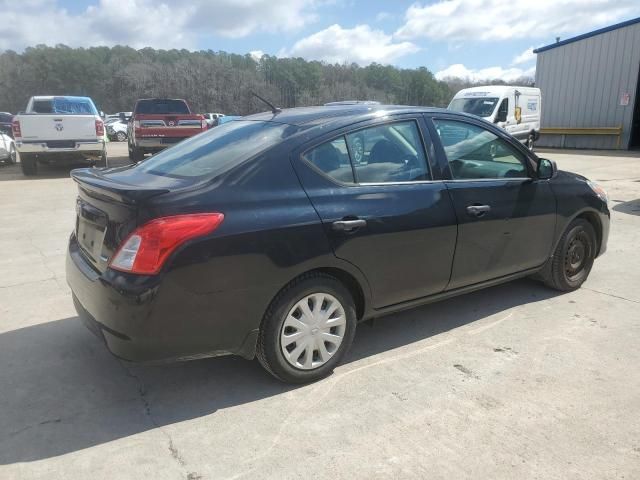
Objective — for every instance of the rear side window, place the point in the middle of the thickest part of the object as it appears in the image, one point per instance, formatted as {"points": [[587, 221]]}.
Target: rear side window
{"points": [[476, 153], [333, 159], [217, 151], [388, 153], [162, 107]]}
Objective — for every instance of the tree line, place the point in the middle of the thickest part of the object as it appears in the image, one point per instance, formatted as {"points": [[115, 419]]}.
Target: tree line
{"points": [[115, 77]]}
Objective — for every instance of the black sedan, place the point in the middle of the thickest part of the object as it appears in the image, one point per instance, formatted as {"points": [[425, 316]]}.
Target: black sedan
{"points": [[265, 237]]}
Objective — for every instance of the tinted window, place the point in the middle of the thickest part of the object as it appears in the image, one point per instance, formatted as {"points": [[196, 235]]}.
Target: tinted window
{"points": [[217, 151], [388, 153], [162, 107], [333, 159], [474, 152]]}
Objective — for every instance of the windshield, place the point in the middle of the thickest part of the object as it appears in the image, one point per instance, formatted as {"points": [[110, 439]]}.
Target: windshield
{"points": [[65, 106], [162, 107], [482, 107], [217, 151]]}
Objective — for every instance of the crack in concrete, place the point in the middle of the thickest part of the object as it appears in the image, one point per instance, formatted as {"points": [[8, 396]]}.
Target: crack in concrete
{"points": [[173, 450], [43, 258], [611, 295]]}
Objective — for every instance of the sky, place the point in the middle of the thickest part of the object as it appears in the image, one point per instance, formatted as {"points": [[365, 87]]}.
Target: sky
{"points": [[475, 39]]}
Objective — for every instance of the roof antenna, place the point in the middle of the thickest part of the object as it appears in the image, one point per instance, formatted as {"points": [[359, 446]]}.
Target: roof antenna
{"points": [[275, 110]]}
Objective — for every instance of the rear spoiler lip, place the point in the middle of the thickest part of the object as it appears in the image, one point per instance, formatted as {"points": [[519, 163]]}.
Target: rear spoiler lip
{"points": [[92, 181]]}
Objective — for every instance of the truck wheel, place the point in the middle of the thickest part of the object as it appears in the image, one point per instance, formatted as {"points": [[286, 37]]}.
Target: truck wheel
{"points": [[530, 139], [102, 163], [28, 164], [135, 154]]}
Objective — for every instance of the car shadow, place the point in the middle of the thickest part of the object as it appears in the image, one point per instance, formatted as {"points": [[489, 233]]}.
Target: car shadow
{"points": [[63, 392], [631, 207], [50, 171]]}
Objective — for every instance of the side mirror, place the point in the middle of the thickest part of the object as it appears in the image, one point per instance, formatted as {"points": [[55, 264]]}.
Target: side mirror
{"points": [[501, 116], [547, 169], [122, 117]]}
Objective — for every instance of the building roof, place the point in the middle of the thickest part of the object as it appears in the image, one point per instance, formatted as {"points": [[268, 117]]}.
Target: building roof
{"points": [[587, 35]]}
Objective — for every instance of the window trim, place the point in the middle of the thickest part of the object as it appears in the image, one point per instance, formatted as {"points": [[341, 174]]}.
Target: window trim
{"points": [[503, 135], [415, 119]]}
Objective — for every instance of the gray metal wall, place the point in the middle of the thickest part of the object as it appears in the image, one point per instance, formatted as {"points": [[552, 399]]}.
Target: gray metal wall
{"points": [[581, 84]]}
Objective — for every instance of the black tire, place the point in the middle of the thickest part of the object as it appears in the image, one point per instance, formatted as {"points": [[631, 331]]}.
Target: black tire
{"points": [[530, 141], [104, 161], [13, 154], [136, 154], [269, 349], [121, 136], [28, 164], [573, 258]]}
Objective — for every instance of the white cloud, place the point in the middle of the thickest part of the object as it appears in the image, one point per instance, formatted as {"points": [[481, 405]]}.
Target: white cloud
{"points": [[141, 23], [473, 20], [458, 70], [256, 54], [360, 44], [525, 57]]}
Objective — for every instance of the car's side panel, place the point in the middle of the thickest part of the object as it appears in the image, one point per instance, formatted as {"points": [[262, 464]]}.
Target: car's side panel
{"points": [[406, 248]]}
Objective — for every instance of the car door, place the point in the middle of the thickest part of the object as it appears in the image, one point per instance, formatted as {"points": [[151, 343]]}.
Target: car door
{"points": [[506, 216], [388, 213]]}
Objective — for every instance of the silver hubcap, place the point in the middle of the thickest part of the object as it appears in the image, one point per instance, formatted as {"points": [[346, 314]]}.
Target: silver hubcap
{"points": [[313, 331]]}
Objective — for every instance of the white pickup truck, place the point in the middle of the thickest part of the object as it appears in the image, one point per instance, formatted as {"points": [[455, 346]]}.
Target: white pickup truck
{"points": [[59, 129]]}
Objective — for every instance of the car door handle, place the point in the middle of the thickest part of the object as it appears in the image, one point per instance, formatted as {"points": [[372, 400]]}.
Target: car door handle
{"points": [[348, 225], [478, 210]]}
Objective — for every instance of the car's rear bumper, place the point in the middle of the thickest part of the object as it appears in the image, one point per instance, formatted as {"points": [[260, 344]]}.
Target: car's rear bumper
{"points": [[154, 319], [158, 142]]}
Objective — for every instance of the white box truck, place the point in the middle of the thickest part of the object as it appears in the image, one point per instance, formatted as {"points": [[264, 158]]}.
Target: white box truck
{"points": [[515, 109]]}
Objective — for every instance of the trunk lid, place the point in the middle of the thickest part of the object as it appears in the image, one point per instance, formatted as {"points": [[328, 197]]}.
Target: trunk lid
{"points": [[108, 208]]}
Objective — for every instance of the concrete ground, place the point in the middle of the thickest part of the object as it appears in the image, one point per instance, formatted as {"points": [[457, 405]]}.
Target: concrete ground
{"points": [[514, 382]]}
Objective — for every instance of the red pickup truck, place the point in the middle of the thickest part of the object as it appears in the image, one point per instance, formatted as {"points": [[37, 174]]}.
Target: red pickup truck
{"points": [[158, 123]]}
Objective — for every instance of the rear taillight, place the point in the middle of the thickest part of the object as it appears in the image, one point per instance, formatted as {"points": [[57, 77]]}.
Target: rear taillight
{"points": [[136, 124], [204, 124], [146, 250], [15, 128], [99, 128]]}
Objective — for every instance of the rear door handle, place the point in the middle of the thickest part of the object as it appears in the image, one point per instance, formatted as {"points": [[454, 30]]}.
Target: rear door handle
{"points": [[478, 210], [348, 225]]}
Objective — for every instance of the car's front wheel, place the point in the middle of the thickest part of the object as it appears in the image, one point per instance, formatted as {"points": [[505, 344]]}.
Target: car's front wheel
{"points": [[573, 257], [307, 329], [121, 136]]}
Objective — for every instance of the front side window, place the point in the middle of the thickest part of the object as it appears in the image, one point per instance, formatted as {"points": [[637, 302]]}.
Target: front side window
{"points": [[388, 153], [476, 153]]}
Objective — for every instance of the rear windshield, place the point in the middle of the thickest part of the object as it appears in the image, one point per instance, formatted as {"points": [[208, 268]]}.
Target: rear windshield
{"points": [[162, 107], [482, 107], [65, 106], [218, 150]]}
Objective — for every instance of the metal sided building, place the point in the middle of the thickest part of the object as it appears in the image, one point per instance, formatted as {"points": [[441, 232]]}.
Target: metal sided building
{"points": [[590, 89]]}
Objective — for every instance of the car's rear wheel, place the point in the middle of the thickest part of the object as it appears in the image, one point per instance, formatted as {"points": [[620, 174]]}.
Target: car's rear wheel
{"points": [[573, 258], [13, 154], [307, 329], [28, 164]]}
